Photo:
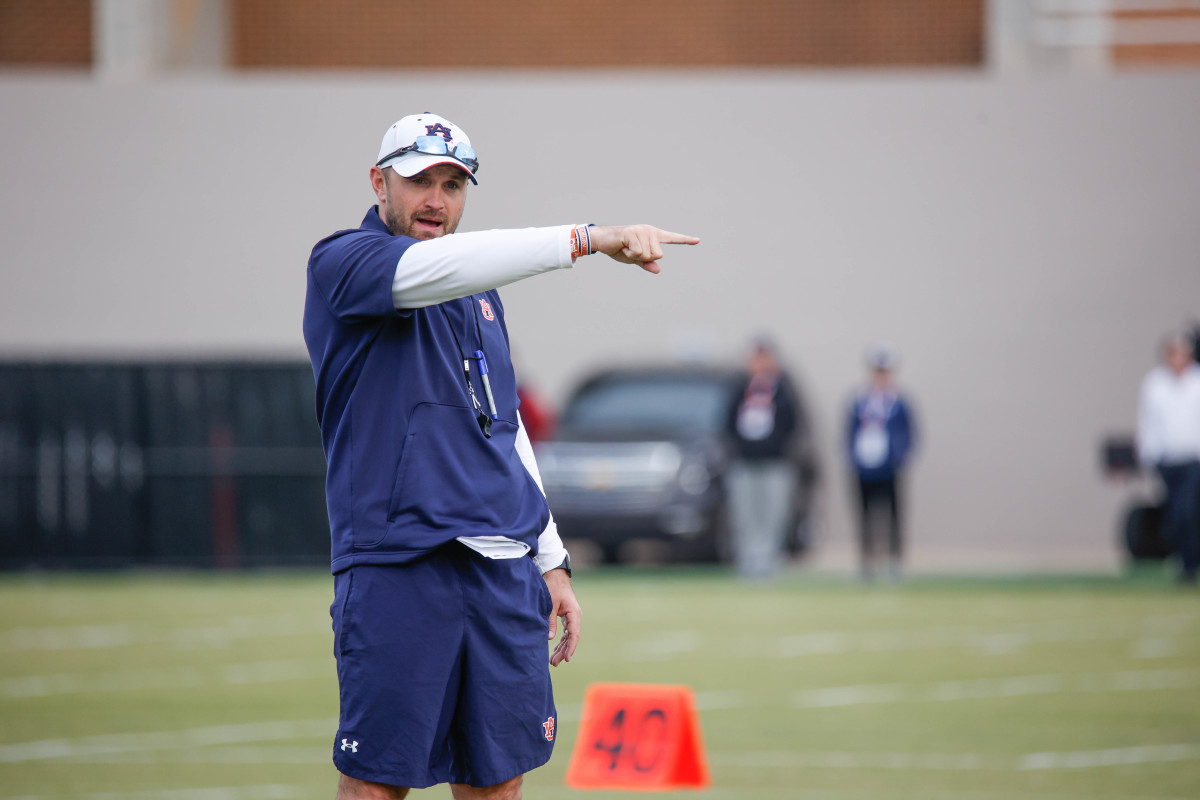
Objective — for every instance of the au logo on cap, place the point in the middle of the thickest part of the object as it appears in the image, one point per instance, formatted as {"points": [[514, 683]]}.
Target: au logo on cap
{"points": [[438, 129]]}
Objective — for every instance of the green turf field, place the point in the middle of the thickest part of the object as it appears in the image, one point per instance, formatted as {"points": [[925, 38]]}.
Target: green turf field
{"points": [[213, 687]]}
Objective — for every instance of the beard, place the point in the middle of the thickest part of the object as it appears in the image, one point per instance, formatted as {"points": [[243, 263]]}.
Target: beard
{"points": [[399, 224], [404, 222], [394, 225]]}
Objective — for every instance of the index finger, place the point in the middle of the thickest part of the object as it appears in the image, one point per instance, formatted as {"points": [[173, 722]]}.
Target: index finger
{"points": [[667, 237]]}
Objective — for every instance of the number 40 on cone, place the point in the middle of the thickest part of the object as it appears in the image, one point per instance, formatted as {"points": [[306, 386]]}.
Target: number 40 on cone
{"points": [[639, 736]]}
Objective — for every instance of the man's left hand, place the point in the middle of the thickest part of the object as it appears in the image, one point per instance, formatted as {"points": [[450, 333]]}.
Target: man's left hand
{"points": [[567, 608]]}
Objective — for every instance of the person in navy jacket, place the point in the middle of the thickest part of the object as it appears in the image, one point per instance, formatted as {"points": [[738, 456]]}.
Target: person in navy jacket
{"points": [[449, 573], [880, 437], [760, 426]]}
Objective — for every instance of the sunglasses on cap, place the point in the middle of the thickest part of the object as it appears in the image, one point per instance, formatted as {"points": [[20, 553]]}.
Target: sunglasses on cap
{"points": [[437, 146]]}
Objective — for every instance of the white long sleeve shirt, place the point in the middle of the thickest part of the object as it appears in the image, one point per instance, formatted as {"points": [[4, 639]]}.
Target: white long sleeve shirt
{"points": [[462, 264], [1169, 416]]}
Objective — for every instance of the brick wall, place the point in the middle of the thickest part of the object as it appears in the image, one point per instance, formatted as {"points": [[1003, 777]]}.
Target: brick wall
{"points": [[46, 32], [1163, 53], [370, 34], [606, 33]]}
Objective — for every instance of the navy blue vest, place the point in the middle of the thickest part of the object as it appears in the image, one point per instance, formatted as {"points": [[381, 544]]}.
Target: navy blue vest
{"points": [[409, 468]]}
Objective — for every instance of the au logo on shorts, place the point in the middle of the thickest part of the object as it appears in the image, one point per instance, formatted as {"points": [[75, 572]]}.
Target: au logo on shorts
{"points": [[487, 310], [548, 727]]}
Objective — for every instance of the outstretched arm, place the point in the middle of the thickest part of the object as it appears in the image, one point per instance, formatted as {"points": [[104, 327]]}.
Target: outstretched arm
{"points": [[461, 264]]}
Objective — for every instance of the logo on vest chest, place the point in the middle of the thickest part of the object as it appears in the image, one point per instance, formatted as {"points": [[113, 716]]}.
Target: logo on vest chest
{"points": [[486, 307]]}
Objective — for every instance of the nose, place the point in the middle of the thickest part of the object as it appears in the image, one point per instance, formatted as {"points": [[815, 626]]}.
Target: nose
{"points": [[435, 198]]}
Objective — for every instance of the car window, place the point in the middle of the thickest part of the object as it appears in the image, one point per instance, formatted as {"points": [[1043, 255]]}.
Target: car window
{"points": [[673, 404]]}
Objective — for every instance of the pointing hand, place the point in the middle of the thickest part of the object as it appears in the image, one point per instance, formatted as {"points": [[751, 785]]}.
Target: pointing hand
{"points": [[635, 244]]}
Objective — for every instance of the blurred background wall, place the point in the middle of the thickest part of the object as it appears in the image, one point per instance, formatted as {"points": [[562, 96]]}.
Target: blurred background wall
{"points": [[1005, 190]]}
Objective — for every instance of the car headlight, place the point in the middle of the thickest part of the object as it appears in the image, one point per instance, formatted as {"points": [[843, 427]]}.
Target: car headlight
{"points": [[694, 476], [664, 459]]}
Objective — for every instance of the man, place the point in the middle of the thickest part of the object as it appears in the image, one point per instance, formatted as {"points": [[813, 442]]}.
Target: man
{"points": [[880, 437], [762, 479], [1169, 441], [447, 563]]}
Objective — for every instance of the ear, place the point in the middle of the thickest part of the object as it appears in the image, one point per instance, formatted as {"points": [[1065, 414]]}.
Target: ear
{"points": [[379, 184]]}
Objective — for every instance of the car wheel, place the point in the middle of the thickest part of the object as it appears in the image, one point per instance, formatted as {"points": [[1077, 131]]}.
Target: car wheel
{"points": [[1143, 536], [711, 546], [610, 553]]}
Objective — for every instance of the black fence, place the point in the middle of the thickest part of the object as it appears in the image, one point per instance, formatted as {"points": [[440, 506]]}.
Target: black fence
{"points": [[199, 464]]}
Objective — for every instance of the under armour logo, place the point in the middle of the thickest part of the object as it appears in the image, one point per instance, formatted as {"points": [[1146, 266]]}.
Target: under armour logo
{"points": [[349, 745]]}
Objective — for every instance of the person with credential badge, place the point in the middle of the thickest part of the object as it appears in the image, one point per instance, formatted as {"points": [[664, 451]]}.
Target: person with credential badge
{"points": [[449, 573], [880, 439], [761, 481]]}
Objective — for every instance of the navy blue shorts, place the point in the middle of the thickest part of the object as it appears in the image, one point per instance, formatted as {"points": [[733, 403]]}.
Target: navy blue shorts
{"points": [[443, 670]]}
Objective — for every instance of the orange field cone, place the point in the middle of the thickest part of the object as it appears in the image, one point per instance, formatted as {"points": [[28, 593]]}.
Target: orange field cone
{"points": [[639, 736]]}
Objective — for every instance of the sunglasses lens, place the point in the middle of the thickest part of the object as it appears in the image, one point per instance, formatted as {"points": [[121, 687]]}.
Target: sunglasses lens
{"points": [[434, 145], [466, 154]]}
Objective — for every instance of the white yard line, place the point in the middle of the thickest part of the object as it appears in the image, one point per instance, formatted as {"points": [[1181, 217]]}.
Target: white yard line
{"points": [[1083, 759], [857, 760], [999, 639], [241, 754], [1087, 759], [713, 701], [229, 744], [1155, 647], [987, 688], [77, 637], [88, 746], [227, 632], [664, 646], [270, 791], [149, 679], [800, 793], [941, 691]]}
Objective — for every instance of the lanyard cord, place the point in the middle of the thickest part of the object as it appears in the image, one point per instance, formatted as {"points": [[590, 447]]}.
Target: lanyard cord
{"points": [[485, 422], [879, 406], [478, 331]]}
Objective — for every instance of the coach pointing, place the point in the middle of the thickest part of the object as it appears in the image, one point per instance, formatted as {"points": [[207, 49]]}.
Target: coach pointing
{"points": [[447, 563]]}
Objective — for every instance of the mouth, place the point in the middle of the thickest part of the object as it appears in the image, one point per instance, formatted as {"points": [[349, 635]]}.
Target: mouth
{"points": [[431, 225]]}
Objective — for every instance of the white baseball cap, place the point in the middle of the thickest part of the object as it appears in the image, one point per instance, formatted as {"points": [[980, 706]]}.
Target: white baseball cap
{"points": [[882, 355], [420, 141]]}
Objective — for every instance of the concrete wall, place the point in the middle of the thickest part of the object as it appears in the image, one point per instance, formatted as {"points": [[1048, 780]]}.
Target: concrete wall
{"points": [[1023, 242]]}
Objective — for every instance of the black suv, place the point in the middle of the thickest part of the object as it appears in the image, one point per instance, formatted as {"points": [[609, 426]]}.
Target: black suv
{"points": [[640, 454]]}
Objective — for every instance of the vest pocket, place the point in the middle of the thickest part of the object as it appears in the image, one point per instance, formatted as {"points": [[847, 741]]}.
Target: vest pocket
{"points": [[451, 480]]}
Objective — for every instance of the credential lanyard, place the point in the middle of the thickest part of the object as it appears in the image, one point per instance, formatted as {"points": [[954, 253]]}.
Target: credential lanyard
{"points": [[482, 417], [878, 407]]}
